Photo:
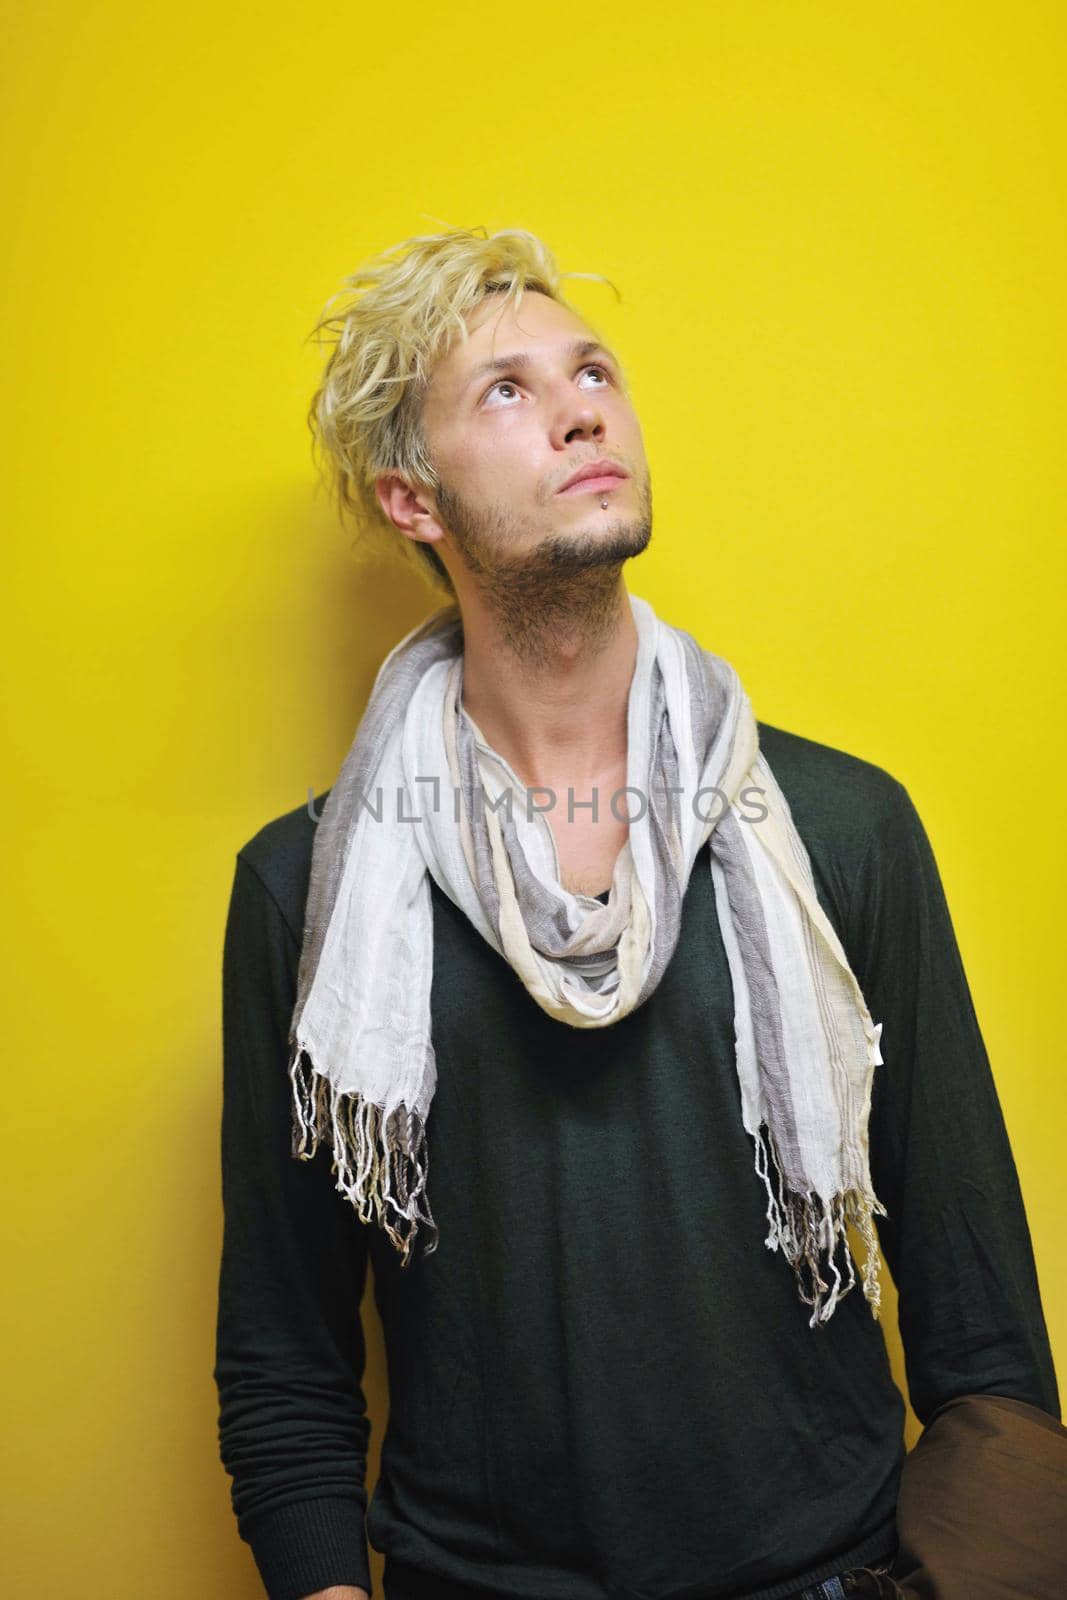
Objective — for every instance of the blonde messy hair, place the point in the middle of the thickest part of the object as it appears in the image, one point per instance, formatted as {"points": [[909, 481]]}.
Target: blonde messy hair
{"points": [[398, 314]]}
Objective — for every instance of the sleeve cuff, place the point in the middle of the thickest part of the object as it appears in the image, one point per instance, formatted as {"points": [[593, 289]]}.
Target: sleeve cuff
{"points": [[310, 1545]]}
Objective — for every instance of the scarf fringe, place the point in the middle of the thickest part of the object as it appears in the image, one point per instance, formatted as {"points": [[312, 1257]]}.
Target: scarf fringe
{"points": [[802, 1225], [381, 1163]]}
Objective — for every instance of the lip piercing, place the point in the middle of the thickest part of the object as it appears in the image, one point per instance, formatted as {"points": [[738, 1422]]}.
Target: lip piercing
{"points": [[604, 503]]}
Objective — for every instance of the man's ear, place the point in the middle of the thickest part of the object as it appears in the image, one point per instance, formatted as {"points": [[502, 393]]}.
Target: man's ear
{"points": [[411, 510]]}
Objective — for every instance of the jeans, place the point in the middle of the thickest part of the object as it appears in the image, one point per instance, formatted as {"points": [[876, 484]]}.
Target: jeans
{"points": [[870, 1580], [829, 1589]]}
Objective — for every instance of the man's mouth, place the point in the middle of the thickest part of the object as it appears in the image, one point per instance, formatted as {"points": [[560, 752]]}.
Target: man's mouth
{"points": [[598, 475]]}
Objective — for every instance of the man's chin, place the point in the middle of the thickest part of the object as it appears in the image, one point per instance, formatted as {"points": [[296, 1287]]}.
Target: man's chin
{"points": [[605, 545]]}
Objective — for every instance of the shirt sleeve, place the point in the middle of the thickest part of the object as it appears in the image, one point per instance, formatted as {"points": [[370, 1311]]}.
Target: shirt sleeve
{"points": [[293, 1428], [956, 1237]]}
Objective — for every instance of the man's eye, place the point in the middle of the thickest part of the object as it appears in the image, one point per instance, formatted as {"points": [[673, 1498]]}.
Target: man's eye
{"points": [[505, 383]]}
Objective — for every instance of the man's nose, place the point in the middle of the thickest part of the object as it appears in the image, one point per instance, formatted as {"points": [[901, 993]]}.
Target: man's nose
{"points": [[580, 418]]}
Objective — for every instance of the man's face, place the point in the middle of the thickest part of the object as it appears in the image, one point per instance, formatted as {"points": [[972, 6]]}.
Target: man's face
{"points": [[510, 415]]}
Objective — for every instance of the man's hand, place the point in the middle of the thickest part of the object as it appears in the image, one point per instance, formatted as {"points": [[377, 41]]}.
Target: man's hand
{"points": [[335, 1592]]}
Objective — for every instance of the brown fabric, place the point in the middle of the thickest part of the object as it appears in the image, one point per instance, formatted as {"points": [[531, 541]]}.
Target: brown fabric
{"points": [[982, 1508]]}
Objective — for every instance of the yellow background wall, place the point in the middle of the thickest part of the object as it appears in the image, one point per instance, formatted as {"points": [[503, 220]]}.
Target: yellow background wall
{"points": [[839, 236]]}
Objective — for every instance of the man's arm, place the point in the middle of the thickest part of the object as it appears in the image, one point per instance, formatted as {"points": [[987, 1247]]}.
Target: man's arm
{"points": [[293, 1428], [956, 1238]]}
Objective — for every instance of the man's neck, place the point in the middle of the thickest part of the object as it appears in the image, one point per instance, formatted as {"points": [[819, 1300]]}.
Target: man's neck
{"points": [[553, 701]]}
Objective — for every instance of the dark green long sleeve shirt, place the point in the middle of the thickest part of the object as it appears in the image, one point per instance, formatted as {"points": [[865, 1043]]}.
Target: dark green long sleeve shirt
{"points": [[602, 1385]]}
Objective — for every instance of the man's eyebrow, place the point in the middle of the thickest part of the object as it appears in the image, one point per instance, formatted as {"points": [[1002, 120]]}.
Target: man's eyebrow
{"points": [[520, 361]]}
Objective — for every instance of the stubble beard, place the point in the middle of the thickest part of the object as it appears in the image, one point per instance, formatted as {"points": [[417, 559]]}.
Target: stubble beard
{"points": [[562, 586]]}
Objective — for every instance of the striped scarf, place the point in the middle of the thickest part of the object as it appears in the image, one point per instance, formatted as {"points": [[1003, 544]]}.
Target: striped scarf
{"points": [[421, 794]]}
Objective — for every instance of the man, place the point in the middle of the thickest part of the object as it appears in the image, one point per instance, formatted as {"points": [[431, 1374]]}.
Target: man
{"points": [[602, 1385]]}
